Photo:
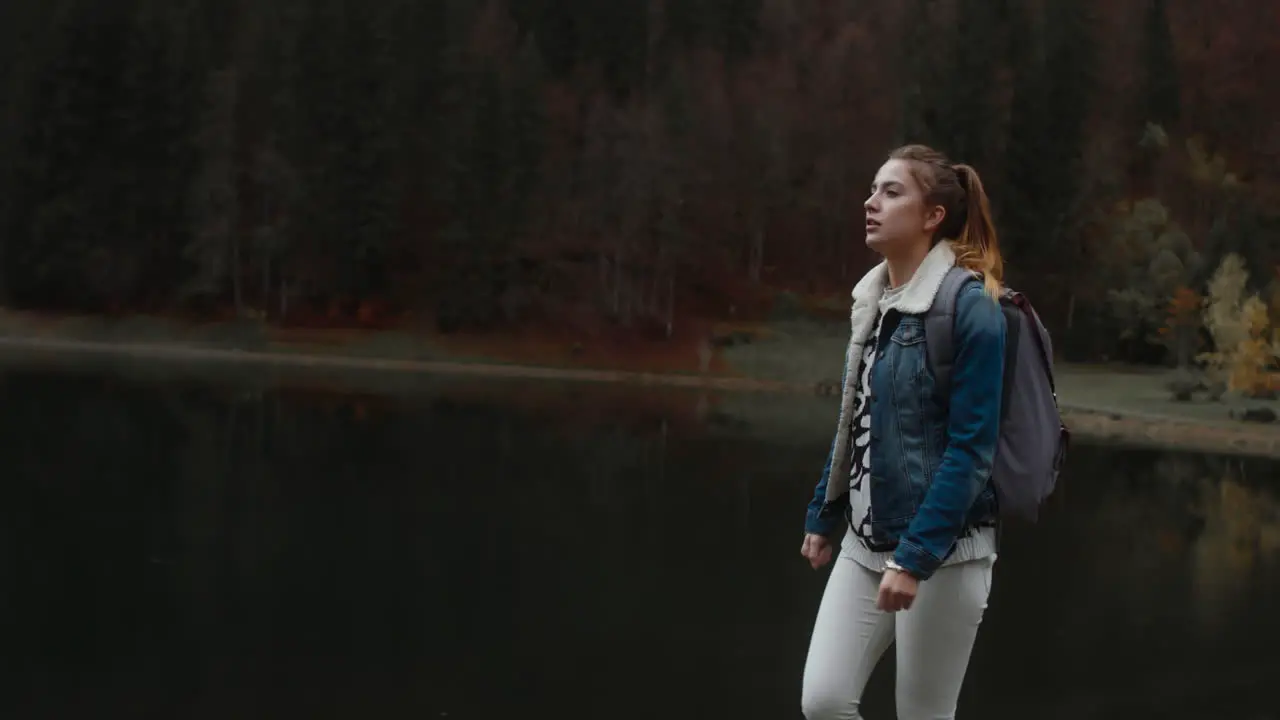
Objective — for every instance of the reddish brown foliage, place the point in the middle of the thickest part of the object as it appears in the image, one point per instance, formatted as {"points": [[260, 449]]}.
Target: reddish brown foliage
{"points": [[1184, 308]]}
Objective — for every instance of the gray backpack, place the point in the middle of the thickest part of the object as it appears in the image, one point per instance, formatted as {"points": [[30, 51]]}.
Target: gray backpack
{"points": [[1033, 439]]}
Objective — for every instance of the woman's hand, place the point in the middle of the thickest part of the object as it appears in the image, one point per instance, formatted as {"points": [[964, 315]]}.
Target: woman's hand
{"points": [[897, 591], [817, 549]]}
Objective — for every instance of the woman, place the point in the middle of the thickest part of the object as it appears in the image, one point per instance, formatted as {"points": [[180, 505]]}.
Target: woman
{"points": [[911, 470]]}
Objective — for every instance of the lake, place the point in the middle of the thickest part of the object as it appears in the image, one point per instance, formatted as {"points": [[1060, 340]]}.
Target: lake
{"points": [[216, 544]]}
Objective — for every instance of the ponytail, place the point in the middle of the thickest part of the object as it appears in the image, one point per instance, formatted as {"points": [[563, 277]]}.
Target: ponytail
{"points": [[976, 246], [967, 223]]}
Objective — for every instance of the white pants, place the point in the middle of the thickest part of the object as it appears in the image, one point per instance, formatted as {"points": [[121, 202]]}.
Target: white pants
{"points": [[934, 639]]}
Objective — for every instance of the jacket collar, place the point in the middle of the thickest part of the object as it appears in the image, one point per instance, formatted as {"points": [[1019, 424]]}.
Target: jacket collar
{"points": [[917, 295]]}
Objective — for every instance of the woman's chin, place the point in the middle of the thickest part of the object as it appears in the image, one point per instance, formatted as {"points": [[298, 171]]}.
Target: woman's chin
{"points": [[877, 241]]}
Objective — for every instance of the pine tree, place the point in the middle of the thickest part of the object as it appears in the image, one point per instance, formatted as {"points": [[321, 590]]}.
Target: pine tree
{"points": [[214, 248], [1163, 104], [966, 102], [1020, 204]]}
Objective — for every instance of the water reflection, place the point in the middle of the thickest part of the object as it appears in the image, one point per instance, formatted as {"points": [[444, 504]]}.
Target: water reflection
{"points": [[1241, 537], [196, 549], [1207, 524]]}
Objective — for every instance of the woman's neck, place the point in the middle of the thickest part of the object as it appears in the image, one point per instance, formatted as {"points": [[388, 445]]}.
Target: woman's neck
{"points": [[903, 266]]}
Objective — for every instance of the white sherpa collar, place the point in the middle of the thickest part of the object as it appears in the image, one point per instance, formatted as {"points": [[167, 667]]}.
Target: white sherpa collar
{"points": [[917, 295]]}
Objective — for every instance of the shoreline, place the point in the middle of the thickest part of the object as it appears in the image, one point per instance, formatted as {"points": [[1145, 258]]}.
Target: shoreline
{"points": [[338, 361], [1094, 422]]}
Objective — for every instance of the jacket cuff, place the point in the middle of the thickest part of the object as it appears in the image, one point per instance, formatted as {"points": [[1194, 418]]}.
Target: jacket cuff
{"points": [[826, 526], [916, 561]]}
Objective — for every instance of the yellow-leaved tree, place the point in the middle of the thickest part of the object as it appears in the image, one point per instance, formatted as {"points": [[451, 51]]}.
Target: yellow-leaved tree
{"points": [[1244, 344]]}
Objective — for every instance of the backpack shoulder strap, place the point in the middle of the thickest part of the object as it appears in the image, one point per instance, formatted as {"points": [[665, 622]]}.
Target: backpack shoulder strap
{"points": [[939, 322]]}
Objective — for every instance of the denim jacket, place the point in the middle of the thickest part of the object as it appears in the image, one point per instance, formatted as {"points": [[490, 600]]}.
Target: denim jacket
{"points": [[931, 457]]}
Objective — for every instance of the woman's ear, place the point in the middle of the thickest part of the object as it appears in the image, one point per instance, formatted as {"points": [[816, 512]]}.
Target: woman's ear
{"points": [[933, 219]]}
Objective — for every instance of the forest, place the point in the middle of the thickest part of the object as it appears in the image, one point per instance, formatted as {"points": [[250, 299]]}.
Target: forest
{"points": [[484, 165]]}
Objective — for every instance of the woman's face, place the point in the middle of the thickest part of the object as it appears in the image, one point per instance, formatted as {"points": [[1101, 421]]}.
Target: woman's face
{"points": [[897, 217]]}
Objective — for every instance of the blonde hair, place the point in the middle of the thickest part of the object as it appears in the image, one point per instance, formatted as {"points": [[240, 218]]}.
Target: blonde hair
{"points": [[967, 223]]}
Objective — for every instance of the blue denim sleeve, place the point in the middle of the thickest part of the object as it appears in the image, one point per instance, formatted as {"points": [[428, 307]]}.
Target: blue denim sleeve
{"points": [[977, 378], [817, 522]]}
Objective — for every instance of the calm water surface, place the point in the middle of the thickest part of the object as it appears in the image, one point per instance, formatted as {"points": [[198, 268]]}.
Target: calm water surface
{"points": [[216, 549]]}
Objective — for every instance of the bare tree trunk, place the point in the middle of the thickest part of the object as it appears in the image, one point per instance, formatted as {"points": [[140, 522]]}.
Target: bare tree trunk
{"points": [[266, 258], [756, 260], [236, 292], [1184, 346], [656, 13], [653, 306], [617, 282], [671, 305]]}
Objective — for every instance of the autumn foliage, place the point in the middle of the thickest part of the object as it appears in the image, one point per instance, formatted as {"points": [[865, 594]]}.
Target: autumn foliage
{"points": [[635, 169], [1184, 308], [1246, 350]]}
